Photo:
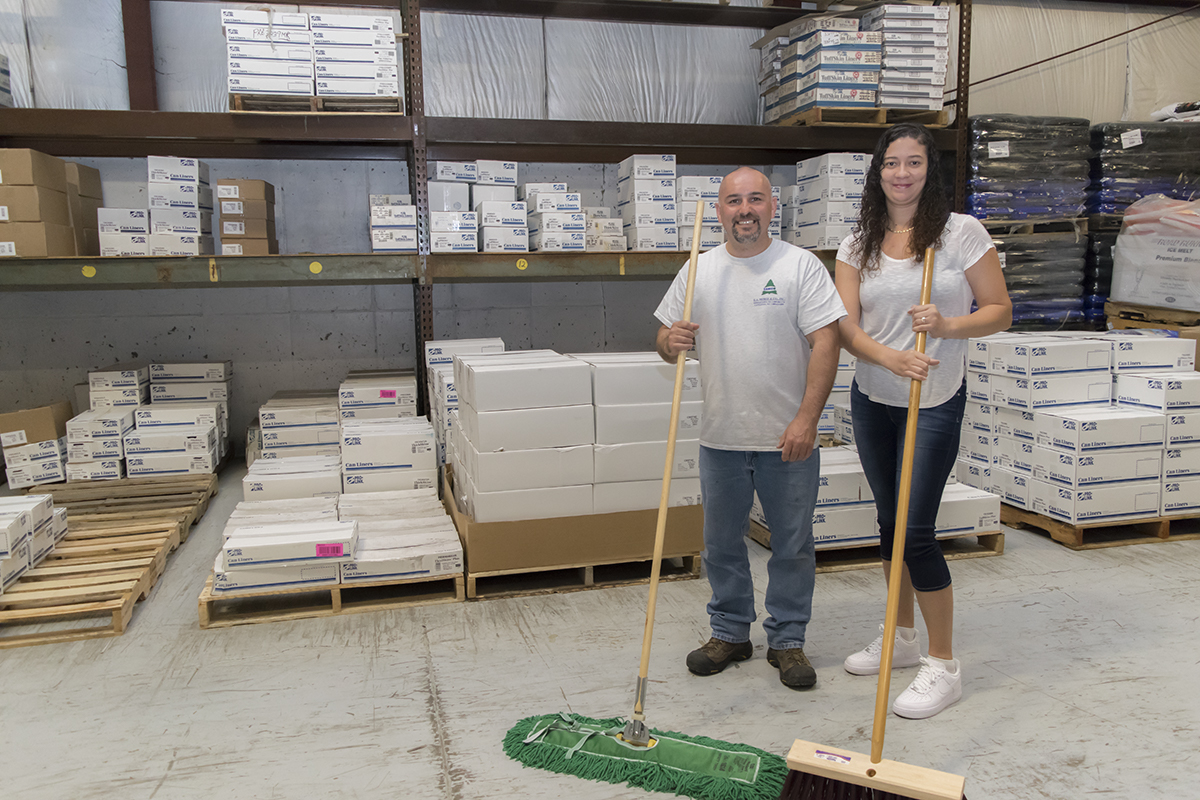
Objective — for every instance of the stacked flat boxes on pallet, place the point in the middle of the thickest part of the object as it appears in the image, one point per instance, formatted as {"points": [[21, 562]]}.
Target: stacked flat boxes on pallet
{"points": [[268, 52], [247, 217], [916, 46], [355, 56], [384, 445], [648, 224], [30, 527], [175, 185], [393, 220], [828, 63], [35, 445], [1040, 430], [440, 391], [820, 211], [486, 189], [297, 424], [186, 429]]}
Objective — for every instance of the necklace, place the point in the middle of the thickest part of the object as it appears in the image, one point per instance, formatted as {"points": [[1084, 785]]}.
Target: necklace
{"points": [[903, 230]]}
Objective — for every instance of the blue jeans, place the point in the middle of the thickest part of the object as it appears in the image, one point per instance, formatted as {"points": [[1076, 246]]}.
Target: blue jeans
{"points": [[788, 493], [879, 436]]}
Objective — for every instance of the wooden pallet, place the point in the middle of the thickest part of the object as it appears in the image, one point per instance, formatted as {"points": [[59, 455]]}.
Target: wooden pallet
{"points": [[1151, 530], [182, 499], [1102, 223], [576, 577], [866, 556], [1150, 316], [87, 586], [1008, 227], [296, 104], [864, 117], [227, 609]]}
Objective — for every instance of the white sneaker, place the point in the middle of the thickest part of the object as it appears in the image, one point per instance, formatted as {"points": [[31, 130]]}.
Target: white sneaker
{"points": [[866, 661], [935, 688]]}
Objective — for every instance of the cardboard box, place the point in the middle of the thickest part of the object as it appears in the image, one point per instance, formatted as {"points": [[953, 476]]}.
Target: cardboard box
{"points": [[254, 580], [106, 449], [411, 555], [967, 510], [130, 374], [609, 498], [1183, 428], [393, 216], [839, 526], [104, 423], [1181, 463], [277, 51], [498, 383], [527, 429], [357, 87], [491, 193], [1012, 486], [460, 242], [123, 220], [191, 372], [388, 480], [33, 204], [646, 167], [1013, 454], [637, 215], [465, 171], [527, 190], [598, 212], [180, 244], [191, 392], [1112, 502], [504, 239], [277, 19], [687, 213], [491, 214], [193, 439], [351, 22], [299, 451], [1090, 469], [245, 189], [976, 475], [24, 167], [334, 545], [1180, 497], [175, 415], [503, 173], [15, 530], [180, 195], [1030, 356], [1135, 353], [1019, 425], [36, 473], [832, 164], [46, 423], [40, 508], [55, 449], [527, 504], [645, 461], [403, 240], [605, 244], [378, 73], [371, 446], [559, 221], [624, 378], [250, 247], [179, 221], [124, 244], [658, 237], [184, 463], [36, 240], [254, 68], [1170, 392], [168, 169], [1101, 429], [449, 196], [705, 187], [244, 210], [109, 470], [452, 221], [234, 228], [979, 418], [1052, 391], [267, 33], [542, 202], [279, 416], [645, 422], [528, 469], [119, 398], [16, 565], [300, 436], [976, 448], [558, 241], [324, 483], [605, 227]]}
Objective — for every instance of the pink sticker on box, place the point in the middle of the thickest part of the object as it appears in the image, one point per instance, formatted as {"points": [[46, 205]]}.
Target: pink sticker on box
{"points": [[331, 550], [388, 394]]}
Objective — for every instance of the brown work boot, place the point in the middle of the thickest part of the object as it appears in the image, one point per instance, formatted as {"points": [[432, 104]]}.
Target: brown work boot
{"points": [[715, 655], [794, 670]]}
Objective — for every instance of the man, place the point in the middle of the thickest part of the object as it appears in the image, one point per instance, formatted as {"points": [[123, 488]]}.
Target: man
{"points": [[765, 323]]}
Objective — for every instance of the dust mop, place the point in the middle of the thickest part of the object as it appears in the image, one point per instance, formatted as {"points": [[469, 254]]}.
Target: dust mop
{"points": [[828, 773], [617, 750]]}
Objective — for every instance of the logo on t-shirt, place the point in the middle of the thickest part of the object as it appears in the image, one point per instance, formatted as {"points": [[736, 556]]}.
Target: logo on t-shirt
{"points": [[769, 297]]}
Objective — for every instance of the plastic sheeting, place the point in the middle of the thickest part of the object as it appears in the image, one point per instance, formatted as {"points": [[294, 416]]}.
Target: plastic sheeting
{"points": [[492, 67]]}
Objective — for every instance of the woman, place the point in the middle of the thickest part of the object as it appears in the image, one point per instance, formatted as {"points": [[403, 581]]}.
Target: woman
{"points": [[904, 211]]}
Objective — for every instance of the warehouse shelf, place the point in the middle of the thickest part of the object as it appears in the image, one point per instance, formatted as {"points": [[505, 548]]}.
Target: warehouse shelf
{"points": [[90, 272], [83, 132], [625, 11]]}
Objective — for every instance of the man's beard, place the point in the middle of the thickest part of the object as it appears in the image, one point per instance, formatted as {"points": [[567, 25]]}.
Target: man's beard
{"points": [[750, 238]]}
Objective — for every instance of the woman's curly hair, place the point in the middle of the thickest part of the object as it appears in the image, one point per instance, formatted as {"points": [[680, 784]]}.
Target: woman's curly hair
{"points": [[933, 207]]}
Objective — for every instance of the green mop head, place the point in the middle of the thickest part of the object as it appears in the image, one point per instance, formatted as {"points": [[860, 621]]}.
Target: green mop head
{"points": [[692, 766]]}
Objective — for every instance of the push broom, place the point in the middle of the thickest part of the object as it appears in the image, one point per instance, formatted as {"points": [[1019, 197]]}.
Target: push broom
{"points": [[827, 773], [627, 751]]}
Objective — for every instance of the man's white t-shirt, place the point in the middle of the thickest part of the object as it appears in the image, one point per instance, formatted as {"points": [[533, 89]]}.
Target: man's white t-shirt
{"points": [[754, 315], [886, 296]]}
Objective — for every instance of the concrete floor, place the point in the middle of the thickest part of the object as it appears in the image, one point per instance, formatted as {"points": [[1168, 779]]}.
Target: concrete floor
{"points": [[1081, 680]]}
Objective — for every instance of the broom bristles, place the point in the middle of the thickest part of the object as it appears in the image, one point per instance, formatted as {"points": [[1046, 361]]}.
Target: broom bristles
{"points": [[805, 786]]}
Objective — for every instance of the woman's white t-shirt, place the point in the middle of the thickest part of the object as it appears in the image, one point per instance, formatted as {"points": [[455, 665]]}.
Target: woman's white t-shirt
{"points": [[886, 296]]}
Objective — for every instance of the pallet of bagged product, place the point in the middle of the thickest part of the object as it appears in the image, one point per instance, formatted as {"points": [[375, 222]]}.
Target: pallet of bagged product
{"points": [[1100, 534], [840, 557], [182, 499], [226, 609], [577, 577], [1129, 315], [865, 117], [88, 585], [299, 104], [1009, 227]]}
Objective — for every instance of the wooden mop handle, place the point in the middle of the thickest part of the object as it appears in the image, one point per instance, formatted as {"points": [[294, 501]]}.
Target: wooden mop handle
{"points": [[660, 531], [897, 568]]}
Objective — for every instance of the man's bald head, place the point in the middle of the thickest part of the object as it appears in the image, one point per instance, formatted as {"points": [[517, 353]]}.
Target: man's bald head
{"points": [[745, 208], [745, 179]]}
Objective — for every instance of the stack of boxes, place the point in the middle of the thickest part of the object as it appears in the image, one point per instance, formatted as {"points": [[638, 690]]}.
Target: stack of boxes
{"points": [[771, 67], [648, 224], [35, 445], [556, 218], [282, 555], [120, 386], [823, 206], [30, 526], [355, 56], [35, 214], [916, 45], [384, 455], [85, 196], [440, 392], [269, 52], [247, 217], [401, 536], [706, 188], [298, 424], [839, 397], [179, 184], [294, 477], [605, 231], [196, 387], [95, 443], [632, 396], [489, 190], [6, 97], [378, 394], [829, 63], [394, 224]]}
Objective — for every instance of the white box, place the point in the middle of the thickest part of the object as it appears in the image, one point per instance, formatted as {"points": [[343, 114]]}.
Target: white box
{"points": [[523, 504], [528, 469], [454, 171], [804, 27], [646, 422], [124, 244], [324, 483], [269, 51], [16, 565], [557, 221], [389, 480], [36, 473], [1052, 391], [202, 371], [838, 526], [1014, 487], [605, 227], [270, 84], [331, 546], [1139, 353], [123, 220], [1090, 469], [527, 429], [194, 439], [15, 530], [40, 545], [263, 579], [353, 22], [834, 187], [555, 201], [976, 475], [647, 191], [645, 461], [1169, 393], [276, 19], [822, 212], [646, 167], [965, 510], [175, 415], [398, 389], [385, 55], [625, 378], [267, 33], [387, 446], [655, 237], [705, 187], [392, 216], [491, 193], [37, 451], [186, 463], [1180, 497], [1181, 463], [357, 87], [527, 190], [377, 412], [403, 240], [380, 74], [300, 451], [1183, 428], [39, 507], [1112, 502], [451, 221], [168, 169], [710, 237], [598, 212], [979, 418], [609, 498], [560, 241], [841, 484], [119, 398], [605, 244], [496, 214], [180, 244], [181, 221], [832, 164], [503, 239], [1013, 454], [1019, 425], [442, 351], [449, 196], [192, 392], [976, 448], [687, 213], [96, 450], [638, 215], [894, 10], [492, 383], [180, 195], [413, 555], [100, 424], [503, 173], [300, 436], [1090, 430], [1030, 356], [107, 470], [382, 38], [460, 242]]}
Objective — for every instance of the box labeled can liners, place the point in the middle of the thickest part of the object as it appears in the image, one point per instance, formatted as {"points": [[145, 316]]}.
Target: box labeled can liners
{"points": [[183, 390], [355, 38], [357, 55], [1049, 391], [180, 244], [1112, 502], [194, 439], [649, 214], [270, 84], [1090, 469], [178, 415], [556, 222], [503, 239], [271, 66], [180, 195], [168, 169], [646, 191], [454, 242], [455, 171], [1088, 430], [493, 214], [1180, 497], [186, 463], [276, 19], [503, 173], [335, 545], [1181, 462], [269, 50], [180, 220], [1183, 428], [37, 451], [108, 470], [706, 187], [274, 578], [558, 241], [1167, 392], [646, 167], [351, 22], [96, 450], [453, 221], [653, 237], [527, 190], [124, 244], [393, 216]]}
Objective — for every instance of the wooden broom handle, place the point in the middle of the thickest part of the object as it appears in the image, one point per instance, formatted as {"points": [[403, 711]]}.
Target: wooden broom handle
{"points": [[897, 568], [660, 531]]}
